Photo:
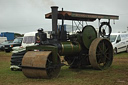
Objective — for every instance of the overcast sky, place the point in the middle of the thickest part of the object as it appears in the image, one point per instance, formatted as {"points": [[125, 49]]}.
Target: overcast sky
{"points": [[28, 15]]}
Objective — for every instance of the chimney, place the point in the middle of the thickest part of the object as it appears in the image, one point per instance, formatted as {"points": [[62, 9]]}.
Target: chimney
{"points": [[54, 19]]}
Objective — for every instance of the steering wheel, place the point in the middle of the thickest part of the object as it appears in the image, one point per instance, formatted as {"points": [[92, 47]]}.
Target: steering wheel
{"points": [[105, 29]]}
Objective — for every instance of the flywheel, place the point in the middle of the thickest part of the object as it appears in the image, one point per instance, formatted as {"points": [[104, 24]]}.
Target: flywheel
{"points": [[40, 65], [101, 53], [88, 35]]}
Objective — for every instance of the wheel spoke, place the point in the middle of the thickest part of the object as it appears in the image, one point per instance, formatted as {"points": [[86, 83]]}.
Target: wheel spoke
{"points": [[98, 55], [106, 50], [103, 46], [100, 49], [99, 61], [107, 57], [49, 61]]}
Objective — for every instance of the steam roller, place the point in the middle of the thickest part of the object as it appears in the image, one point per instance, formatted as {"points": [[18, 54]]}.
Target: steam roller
{"points": [[86, 47]]}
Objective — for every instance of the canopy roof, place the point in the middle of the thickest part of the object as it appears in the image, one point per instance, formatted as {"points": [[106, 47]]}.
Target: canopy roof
{"points": [[68, 15]]}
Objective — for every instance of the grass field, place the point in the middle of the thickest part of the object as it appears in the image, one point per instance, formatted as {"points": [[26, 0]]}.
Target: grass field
{"points": [[117, 74]]}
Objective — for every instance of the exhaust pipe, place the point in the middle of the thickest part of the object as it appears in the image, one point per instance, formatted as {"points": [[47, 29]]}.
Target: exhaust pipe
{"points": [[54, 19]]}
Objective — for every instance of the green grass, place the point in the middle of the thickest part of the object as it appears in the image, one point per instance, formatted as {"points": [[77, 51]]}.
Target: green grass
{"points": [[5, 54], [117, 74], [121, 55]]}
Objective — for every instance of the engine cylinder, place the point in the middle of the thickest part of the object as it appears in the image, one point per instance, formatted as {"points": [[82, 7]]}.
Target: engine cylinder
{"points": [[70, 48]]}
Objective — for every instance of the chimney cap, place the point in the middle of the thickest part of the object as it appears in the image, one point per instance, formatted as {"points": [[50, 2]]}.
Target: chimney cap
{"points": [[54, 6]]}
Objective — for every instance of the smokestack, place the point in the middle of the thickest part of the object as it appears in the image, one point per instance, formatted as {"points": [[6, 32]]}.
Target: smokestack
{"points": [[54, 19]]}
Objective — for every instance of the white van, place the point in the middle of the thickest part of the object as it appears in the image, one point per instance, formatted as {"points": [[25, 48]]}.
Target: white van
{"points": [[2, 39], [28, 40], [119, 42], [18, 52]]}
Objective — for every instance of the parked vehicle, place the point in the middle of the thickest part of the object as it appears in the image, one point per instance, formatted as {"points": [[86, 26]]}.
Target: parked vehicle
{"points": [[9, 35], [2, 45], [16, 42], [28, 40], [19, 51], [2, 39], [119, 42]]}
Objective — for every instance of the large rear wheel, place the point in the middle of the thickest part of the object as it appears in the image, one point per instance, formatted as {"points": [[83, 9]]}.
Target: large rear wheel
{"points": [[101, 53]]}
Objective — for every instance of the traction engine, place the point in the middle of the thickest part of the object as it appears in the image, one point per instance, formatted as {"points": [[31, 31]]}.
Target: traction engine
{"points": [[84, 48]]}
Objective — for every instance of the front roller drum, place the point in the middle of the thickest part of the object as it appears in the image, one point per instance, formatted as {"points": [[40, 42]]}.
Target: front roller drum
{"points": [[101, 53], [40, 65]]}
